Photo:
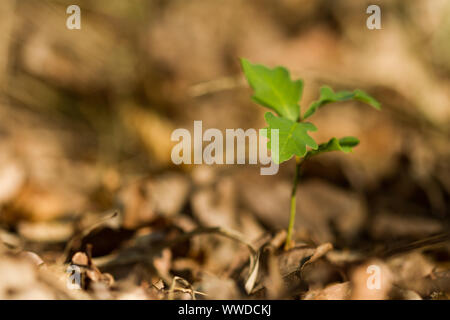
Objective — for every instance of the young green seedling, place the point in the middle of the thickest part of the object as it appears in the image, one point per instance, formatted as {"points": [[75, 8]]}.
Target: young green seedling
{"points": [[274, 89]]}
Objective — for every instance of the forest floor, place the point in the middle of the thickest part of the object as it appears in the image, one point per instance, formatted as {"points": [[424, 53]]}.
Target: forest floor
{"points": [[89, 195]]}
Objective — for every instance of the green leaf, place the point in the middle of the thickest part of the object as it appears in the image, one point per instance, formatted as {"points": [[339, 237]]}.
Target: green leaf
{"points": [[293, 137], [327, 95], [344, 144], [274, 89]]}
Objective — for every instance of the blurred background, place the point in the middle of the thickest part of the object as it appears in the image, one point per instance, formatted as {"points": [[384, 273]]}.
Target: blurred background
{"points": [[86, 117]]}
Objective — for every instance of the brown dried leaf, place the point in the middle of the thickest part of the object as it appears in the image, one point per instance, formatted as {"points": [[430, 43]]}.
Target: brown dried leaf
{"points": [[338, 291]]}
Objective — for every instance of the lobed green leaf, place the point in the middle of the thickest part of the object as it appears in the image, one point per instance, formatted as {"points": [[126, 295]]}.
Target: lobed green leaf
{"points": [[327, 95], [293, 137], [345, 144], [274, 89]]}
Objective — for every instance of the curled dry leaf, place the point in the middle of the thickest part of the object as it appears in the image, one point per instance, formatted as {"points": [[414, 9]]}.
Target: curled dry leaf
{"points": [[319, 253], [32, 257], [104, 232], [253, 272]]}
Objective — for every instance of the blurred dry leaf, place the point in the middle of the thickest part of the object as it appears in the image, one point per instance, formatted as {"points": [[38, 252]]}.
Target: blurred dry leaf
{"points": [[145, 200], [50, 231], [56, 56], [152, 129], [343, 209], [90, 274], [337, 291], [36, 203], [12, 178], [387, 225], [216, 207], [410, 271], [19, 280], [169, 193], [32, 257], [163, 263], [218, 288]]}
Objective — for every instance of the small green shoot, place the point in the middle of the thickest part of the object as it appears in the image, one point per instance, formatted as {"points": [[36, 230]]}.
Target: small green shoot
{"points": [[274, 89]]}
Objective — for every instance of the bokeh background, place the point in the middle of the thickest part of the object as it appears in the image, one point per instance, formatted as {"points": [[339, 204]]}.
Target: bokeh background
{"points": [[86, 117]]}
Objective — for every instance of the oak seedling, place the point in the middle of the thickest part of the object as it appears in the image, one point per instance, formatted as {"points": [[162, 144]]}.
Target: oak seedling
{"points": [[274, 89]]}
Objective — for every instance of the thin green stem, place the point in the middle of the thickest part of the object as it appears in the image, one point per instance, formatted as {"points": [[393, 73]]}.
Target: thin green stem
{"points": [[288, 243]]}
